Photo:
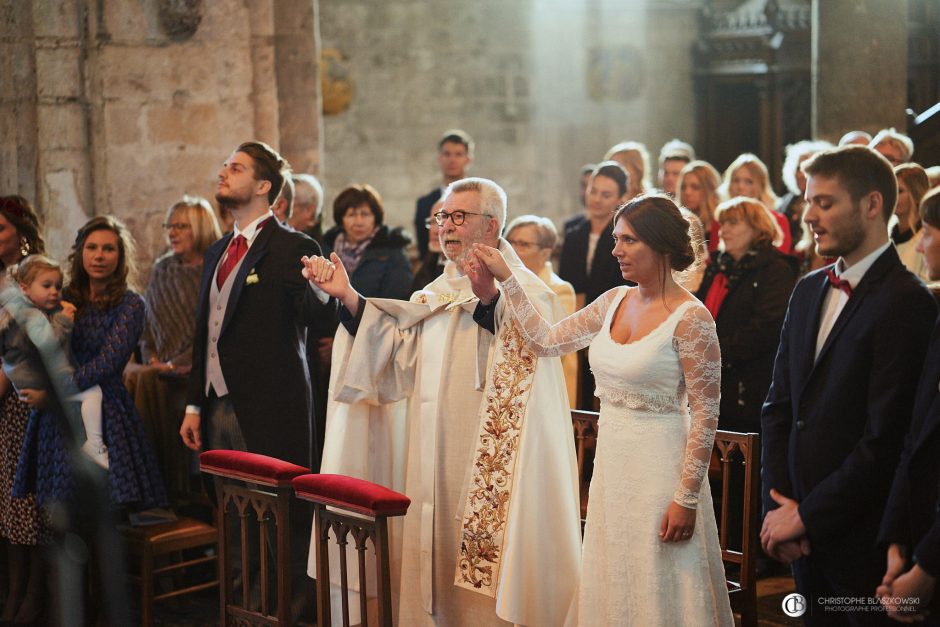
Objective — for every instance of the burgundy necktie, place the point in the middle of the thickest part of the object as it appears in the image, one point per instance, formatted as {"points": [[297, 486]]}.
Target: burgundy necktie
{"points": [[839, 284], [236, 250]]}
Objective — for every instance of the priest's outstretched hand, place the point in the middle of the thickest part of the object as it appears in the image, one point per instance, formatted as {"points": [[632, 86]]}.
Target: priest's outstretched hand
{"points": [[330, 276]]}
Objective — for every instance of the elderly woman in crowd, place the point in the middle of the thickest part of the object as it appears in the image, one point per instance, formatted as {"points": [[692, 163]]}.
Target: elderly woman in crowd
{"points": [[159, 387], [373, 254], [22, 524], [533, 238], [746, 288], [893, 145], [747, 176], [171, 295], [108, 323], [698, 192], [913, 185]]}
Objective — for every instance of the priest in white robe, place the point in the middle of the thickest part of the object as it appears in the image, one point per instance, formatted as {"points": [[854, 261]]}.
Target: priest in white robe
{"points": [[440, 399]]}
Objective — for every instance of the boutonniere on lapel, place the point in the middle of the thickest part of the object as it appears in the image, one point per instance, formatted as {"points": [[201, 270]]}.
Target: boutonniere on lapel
{"points": [[252, 277]]}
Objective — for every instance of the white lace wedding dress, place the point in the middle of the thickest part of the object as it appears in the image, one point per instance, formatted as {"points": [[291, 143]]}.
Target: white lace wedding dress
{"points": [[650, 451]]}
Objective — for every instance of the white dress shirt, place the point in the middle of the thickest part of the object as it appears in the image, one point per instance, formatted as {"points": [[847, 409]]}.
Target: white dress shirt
{"points": [[835, 300], [251, 230]]}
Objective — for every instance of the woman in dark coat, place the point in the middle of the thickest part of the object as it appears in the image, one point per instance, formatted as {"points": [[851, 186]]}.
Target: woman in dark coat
{"points": [[373, 254], [746, 288], [586, 258]]}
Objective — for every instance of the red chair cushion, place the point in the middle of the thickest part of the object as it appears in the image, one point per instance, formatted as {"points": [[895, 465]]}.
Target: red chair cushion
{"points": [[249, 467], [357, 495]]}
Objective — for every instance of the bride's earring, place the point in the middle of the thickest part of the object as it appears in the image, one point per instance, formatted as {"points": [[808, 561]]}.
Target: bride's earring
{"points": [[24, 246]]}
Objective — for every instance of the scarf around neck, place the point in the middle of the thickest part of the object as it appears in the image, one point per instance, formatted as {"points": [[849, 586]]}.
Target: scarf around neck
{"points": [[351, 254]]}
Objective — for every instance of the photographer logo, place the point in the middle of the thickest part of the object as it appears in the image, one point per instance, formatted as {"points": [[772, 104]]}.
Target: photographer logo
{"points": [[794, 605]]}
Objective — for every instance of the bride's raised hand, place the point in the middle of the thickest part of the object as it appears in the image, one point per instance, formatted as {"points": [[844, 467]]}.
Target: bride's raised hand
{"points": [[493, 260]]}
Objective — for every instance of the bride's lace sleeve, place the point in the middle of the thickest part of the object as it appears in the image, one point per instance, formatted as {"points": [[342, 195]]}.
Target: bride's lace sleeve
{"points": [[568, 335], [696, 343]]}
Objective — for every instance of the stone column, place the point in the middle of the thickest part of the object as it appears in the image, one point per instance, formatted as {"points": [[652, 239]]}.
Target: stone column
{"points": [[859, 66], [18, 140], [66, 174], [296, 60]]}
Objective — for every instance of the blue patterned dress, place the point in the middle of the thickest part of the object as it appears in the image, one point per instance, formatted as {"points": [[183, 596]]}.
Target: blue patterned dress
{"points": [[102, 344]]}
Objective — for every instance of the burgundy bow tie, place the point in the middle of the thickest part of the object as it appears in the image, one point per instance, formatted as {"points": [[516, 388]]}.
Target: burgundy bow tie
{"points": [[839, 284]]}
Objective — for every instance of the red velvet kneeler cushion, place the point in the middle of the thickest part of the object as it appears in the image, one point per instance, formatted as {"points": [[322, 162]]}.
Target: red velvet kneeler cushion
{"points": [[357, 495], [249, 467]]}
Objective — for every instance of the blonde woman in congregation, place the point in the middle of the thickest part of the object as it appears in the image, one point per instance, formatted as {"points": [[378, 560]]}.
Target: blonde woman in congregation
{"points": [[906, 230], [747, 176], [698, 192]]}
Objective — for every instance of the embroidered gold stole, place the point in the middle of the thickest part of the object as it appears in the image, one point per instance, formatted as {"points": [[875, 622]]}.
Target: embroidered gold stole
{"points": [[497, 445]]}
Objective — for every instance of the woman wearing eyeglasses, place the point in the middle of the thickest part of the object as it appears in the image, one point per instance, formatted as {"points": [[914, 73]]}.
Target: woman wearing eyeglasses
{"points": [[191, 227], [167, 341], [533, 238], [373, 254]]}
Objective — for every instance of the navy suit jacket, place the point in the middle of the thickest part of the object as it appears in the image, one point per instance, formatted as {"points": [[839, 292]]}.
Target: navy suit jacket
{"points": [[912, 516], [422, 211], [261, 344], [833, 427]]}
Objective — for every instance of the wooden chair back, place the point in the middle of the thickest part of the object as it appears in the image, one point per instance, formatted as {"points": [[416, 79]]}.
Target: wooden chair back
{"points": [[738, 459], [353, 512], [256, 489], [168, 541], [585, 443]]}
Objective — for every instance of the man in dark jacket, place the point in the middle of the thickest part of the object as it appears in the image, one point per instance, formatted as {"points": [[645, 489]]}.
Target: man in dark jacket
{"points": [[851, 348], [250, 381], [250, 384], [454, 154], [910, 528]]}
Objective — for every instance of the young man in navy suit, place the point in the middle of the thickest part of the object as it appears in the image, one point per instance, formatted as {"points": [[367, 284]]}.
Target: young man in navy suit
{"points": [[850, 352], [911, 526]]}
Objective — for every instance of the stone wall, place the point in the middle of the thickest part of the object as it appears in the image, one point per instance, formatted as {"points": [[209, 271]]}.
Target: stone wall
{"points": [[542, 86], [858, 46], [120, 107]]}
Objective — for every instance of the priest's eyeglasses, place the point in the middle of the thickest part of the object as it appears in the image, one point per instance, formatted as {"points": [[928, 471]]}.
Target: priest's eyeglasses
{"points": [[457, 217]]}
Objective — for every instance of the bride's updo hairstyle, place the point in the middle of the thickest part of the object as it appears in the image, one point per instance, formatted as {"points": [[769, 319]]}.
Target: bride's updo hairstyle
{"points": [[659, 224]]}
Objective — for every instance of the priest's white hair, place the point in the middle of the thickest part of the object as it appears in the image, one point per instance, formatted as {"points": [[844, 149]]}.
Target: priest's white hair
{"points": [[492, 197]]}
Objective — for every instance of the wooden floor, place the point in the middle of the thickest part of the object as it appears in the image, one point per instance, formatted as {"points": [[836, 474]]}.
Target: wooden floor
{"points": [[202, 610], [770, 593]]}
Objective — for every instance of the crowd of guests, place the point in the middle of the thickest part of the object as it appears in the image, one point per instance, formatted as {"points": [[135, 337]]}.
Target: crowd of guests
{"points": [[754, 257]]}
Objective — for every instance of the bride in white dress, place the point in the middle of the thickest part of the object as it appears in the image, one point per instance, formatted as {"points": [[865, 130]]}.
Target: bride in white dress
{"points": [[651, 554]]}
